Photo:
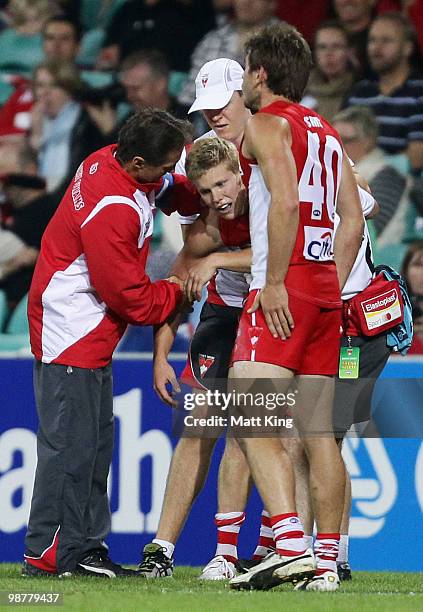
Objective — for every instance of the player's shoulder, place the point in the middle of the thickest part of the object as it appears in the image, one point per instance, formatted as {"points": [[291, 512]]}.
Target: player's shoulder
{"points": [[262, 123]]}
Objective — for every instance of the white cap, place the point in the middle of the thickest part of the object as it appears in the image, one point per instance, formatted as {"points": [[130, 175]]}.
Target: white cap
{"points": [[215, 84]]}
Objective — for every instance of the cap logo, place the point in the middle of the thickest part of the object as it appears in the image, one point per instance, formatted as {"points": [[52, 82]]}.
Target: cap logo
{"points": [[204, 80]]}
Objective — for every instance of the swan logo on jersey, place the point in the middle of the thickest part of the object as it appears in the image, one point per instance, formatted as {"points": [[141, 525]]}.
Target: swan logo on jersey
{"points": [[205, 362], [93, 168], [374, 485], [318, 243]]}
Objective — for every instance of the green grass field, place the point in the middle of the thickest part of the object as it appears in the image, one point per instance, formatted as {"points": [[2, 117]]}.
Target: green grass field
{"points": [[366, 592]]}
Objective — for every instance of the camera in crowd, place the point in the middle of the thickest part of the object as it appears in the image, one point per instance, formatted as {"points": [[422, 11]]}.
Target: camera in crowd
{"points": [[97, 96]]}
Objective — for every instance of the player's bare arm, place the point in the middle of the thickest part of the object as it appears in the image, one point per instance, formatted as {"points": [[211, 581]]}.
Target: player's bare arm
{"points": [[350, 230], [268, 140], [200, 257], [201, 239]]}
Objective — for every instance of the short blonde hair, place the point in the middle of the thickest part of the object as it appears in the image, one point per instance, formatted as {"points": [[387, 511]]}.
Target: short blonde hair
{"points": [[208, 153]]}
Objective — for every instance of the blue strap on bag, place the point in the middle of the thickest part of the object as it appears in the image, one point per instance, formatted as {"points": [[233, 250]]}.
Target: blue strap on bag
{"points": [[400, 337]]}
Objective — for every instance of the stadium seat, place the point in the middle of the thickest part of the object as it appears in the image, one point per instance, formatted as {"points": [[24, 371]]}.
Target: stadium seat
{"points": [[20, 53], [391, 255], [3, 308], [176, 82], [97, 78], [17, 331], [6, 87], [18, 323], [91, 44], [12, 342], [91, 12]]}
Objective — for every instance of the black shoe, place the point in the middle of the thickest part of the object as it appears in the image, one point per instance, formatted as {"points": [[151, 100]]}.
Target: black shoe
{"points": [[30, 571], [155, 564], [244, 565], [344, 571], [97, 563]]}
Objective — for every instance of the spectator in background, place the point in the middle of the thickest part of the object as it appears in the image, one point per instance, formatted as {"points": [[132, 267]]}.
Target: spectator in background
{"points": [[358, 129], [413, 9], [61, 38], [31, 210], [396, 94], [63, 133], [171, 27], [227, 41], [21, 43], [332, 77], [11, 141], [14, 254], [412, 269], [356, 17], [144, 76], [222, 11]]}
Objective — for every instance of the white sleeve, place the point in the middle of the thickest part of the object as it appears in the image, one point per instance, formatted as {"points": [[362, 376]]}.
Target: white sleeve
{"points": [[180, 164], [367, 201], [189, 220]]}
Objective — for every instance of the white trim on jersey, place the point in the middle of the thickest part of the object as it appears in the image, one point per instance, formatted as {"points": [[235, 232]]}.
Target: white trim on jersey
{"points": [[232, 287], [141, 206], [259, 198], [66, 320], [361, 273]]}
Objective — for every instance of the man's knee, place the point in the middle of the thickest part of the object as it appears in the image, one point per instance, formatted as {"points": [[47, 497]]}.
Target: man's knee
{"points": [[194, 447]]}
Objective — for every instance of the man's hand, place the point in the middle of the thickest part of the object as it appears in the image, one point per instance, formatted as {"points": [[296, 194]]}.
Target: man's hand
{"points": [[273, 300], [199, 274], [104, 116], [176, 280], [164, 374], [361, 181]]}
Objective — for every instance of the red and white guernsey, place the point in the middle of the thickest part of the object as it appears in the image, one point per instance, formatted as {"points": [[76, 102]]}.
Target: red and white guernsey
{"points": [[318, 155], [90, 278], [226, 288]]}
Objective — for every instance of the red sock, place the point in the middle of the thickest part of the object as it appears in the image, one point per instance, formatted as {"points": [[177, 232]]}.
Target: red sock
{"points": [[326, 550], [289, 534], [266, 541], [228, 526]]}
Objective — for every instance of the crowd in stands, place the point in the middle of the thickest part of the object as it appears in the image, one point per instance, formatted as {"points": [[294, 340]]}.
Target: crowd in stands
{"points": [[72, 71]]}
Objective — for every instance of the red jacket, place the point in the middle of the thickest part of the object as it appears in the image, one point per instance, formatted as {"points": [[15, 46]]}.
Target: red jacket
{"points": [[90, 278]]}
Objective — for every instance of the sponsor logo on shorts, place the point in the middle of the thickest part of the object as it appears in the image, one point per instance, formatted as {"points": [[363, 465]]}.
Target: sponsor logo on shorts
{"points": [[318, 243], [205, 362]]}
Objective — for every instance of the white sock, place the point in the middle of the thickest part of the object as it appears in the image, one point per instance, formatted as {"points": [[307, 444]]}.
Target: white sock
{"points": [[308, 539], [168, 546], [343, 549]]}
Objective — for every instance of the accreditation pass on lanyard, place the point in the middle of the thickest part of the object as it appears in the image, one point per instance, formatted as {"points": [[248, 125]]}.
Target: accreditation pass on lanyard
{"points": [[349, 361]]}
